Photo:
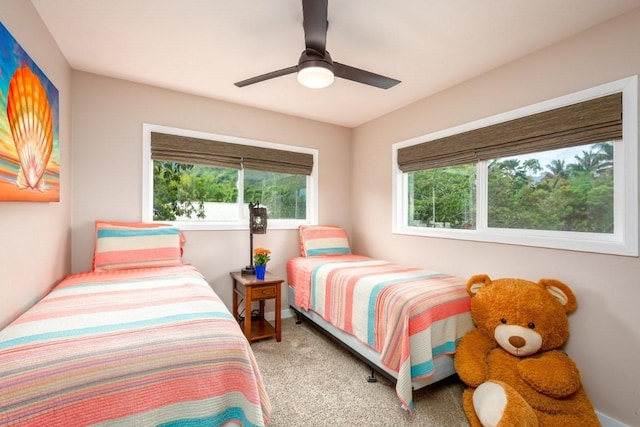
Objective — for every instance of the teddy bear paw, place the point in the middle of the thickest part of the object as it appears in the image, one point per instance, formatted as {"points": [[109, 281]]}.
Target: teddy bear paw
{"points": [[497, 404], [489, 402]]}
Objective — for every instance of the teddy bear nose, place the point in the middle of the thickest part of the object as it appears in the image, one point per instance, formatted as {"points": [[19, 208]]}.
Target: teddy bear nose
{"points": [[517, 341]]}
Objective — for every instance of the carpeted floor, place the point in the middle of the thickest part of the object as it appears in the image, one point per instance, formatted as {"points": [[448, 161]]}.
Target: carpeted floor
{"points": [[312, 381]]}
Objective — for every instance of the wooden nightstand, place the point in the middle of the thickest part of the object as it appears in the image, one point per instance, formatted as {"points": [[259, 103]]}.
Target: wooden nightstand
{"points": [[250, 289]]}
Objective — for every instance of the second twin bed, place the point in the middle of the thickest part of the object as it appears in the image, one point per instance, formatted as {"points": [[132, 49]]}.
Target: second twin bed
{"points": [[403, 321]]}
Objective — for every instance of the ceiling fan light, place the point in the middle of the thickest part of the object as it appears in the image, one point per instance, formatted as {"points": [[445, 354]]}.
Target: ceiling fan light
{"points": [[315, 76]]}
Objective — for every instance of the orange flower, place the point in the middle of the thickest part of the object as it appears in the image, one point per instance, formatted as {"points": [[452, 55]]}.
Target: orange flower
{"points": [[261, 256]]}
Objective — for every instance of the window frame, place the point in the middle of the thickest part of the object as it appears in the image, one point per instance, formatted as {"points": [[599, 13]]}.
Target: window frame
{"points": [[624, 240], [243, 223]]}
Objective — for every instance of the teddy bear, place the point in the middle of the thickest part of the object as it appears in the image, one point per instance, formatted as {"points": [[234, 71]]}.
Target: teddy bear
{"points": [[512, 363]]}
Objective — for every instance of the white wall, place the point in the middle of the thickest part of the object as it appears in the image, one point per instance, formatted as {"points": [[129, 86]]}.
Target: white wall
{"points": [[605, 341], [108, 115], [35, 237]]}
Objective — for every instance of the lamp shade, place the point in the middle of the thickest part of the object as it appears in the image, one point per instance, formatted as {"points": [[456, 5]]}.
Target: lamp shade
{"points": [[315, 69], [257, 219], [315, 76]]}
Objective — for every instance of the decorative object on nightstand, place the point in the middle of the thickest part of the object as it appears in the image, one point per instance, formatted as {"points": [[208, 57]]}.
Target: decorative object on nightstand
{"points": [[261, 258], [249, 289], [261, 271], [257, 225]]}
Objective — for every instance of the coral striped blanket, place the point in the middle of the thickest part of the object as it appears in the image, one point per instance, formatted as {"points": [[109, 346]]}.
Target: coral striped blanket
{"points": [[409, 315], [138, 347]]}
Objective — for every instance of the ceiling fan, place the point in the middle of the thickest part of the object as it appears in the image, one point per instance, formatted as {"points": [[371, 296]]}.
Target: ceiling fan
{"points": [[315, 67]]}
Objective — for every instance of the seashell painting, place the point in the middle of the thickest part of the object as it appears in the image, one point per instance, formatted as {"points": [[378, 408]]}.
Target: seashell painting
{"points": [[29, 153], [29, 116]]}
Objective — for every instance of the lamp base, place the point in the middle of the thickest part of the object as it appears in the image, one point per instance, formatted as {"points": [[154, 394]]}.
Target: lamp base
{"points": [[249, 270]]}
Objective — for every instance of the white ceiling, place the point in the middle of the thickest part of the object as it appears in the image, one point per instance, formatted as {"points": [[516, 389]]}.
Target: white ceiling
{"points": [[203, 46]]}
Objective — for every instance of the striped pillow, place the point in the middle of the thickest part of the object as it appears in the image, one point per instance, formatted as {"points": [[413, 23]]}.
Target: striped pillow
{"points": [[316, 240], [124, 245]]}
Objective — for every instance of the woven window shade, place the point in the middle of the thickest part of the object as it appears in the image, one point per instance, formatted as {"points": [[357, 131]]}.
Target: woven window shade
{"points": [[588, 122], [182, 149]]}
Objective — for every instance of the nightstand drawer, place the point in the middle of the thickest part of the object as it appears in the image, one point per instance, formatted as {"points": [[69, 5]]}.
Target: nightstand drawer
{"points": [[264, 292]]}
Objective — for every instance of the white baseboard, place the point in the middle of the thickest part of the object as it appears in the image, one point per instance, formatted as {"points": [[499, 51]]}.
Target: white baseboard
{"points": [[607, 421], [287, 313], [284, 314]]}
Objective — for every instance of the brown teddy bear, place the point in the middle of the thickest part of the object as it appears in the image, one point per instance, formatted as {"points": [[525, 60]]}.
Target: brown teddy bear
{"points": [[513, 367]]}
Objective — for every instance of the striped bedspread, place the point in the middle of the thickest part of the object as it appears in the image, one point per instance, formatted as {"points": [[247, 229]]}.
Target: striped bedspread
{"points": [[409, 315], [146, 347]]}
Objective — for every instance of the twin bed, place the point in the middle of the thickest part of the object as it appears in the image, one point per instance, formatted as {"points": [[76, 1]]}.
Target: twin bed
{"points": [[140, 340], [403, 322]]}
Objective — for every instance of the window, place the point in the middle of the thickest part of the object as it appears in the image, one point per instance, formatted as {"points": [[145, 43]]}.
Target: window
{"points": [[568, 189], [442, 197], [560, 174], [205, 181]]}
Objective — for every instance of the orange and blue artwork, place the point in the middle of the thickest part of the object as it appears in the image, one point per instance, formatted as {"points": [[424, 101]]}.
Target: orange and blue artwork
{"points": [[29, 109]]}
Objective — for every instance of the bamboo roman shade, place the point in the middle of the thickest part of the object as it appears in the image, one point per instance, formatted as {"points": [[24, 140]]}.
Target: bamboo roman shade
{"points": [[588, 122], [182, 149]]}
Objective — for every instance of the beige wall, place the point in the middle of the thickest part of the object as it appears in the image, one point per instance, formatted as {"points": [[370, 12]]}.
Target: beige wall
{"points": [[37, 250], [108, 115], [604, 341], [35, 237]]}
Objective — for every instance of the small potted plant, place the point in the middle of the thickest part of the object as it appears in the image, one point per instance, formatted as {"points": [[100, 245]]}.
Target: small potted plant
{"points": [[260, 259]]}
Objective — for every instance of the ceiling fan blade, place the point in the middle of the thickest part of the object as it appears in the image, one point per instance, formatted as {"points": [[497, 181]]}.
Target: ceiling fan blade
{"points": [[362, 76], [315, 24], [267, 76]]}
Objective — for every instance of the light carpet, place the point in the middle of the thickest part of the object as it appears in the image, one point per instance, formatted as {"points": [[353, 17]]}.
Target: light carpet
{"points": [[313, 381]]}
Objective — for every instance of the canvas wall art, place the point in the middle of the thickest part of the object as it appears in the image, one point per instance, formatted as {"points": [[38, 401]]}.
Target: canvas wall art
{"points": [[29, 109]]}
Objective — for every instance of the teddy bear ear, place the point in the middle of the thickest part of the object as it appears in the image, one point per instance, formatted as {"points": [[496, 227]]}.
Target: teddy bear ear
{"points": [[560, 291], [476, 282]]}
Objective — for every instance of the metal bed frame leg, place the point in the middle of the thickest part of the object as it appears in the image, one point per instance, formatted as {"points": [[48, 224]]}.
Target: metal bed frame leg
{"points": [[372, 378]]}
